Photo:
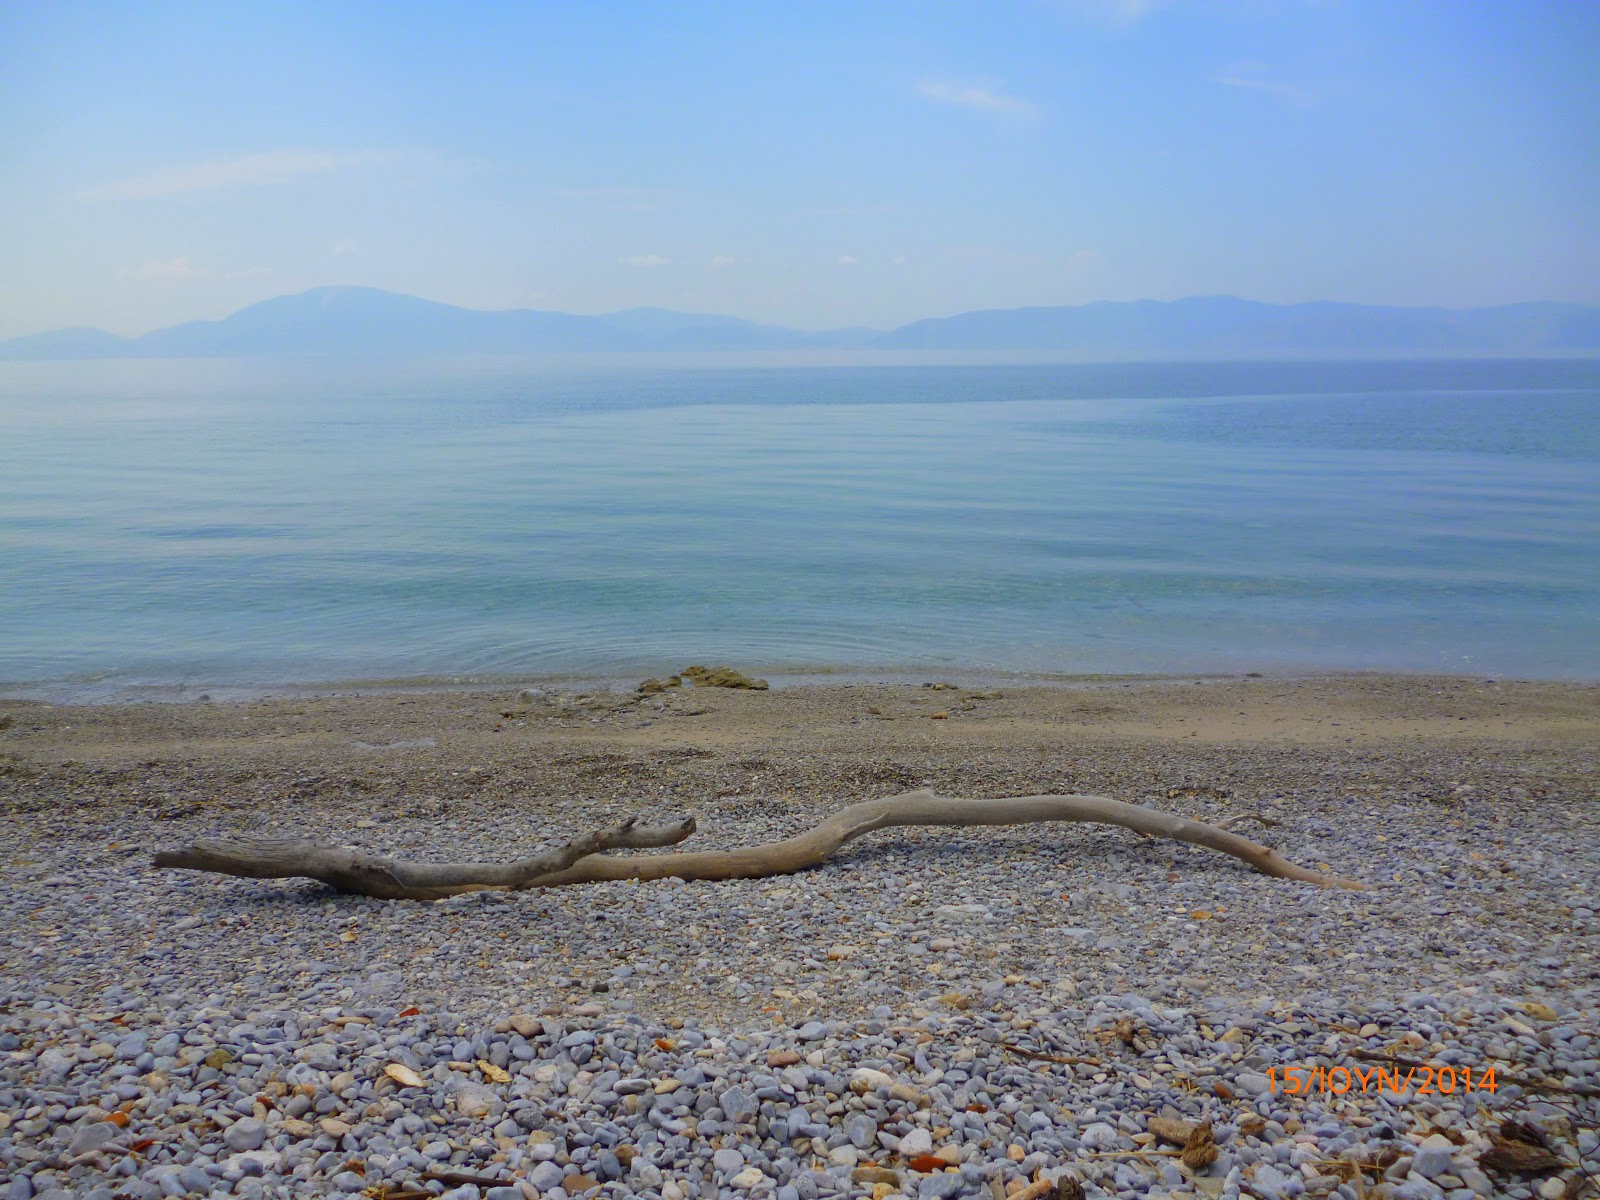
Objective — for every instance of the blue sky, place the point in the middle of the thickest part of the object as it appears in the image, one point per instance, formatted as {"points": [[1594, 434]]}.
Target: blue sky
{"points": [[814, 164]]}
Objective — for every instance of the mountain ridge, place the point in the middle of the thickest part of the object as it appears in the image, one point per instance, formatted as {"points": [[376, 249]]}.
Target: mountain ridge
{"points": [[362, 320]]}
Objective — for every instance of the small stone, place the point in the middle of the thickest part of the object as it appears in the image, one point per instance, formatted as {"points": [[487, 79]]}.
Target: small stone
{"points": [[195, 1178], [92, 1137], [545, 1175], [526, 1025], [1268, 1183], [297, 1128], [738, 1105], [941, 944], [574, 1184], [1252, 1084], [646, 1174], [918, 1141], [403, 1075], [245, 1134], [727, 1160], [868, 1080], [748, 1178], [1434, 1156], [475, 1101], [1100, 1136], [870, 1175], [862, 1131], [782, 1058], [334, 1127]]}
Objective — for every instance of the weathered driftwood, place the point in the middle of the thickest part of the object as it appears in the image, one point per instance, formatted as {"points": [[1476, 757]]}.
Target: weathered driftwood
{"points": [[366, 874], [583, 860]]}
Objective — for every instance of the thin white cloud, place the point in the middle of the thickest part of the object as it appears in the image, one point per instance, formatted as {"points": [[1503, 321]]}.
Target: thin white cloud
{"points": [[1253, 77], [898, 260], [847, 260], [723, 260], [985, 99], [346, 246], [228, 174], [645, 260]]}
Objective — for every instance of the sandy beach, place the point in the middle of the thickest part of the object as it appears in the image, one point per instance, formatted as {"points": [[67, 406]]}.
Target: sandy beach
{"points": [[1468, 803]]}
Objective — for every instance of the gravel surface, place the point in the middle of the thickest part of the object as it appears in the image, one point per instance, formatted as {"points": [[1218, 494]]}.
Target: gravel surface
{"points": [[934, 1014]]}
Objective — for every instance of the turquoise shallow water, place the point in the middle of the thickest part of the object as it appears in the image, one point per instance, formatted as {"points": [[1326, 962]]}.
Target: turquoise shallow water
{"points": [[264, 523]]}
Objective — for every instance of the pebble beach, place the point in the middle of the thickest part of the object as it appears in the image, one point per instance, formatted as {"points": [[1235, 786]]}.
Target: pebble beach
{"points": [[1007, 1014]]}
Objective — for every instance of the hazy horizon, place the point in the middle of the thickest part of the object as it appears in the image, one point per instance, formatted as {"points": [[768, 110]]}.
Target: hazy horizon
{"points": [[815, 167], [640, 308]]}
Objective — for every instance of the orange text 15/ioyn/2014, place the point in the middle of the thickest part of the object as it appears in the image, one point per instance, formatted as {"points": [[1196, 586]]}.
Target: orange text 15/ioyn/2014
{"points": [[1298, 1081]]}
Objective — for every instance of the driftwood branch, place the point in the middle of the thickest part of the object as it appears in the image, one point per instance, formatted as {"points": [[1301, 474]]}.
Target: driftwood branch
{"points": [[366, 874], [584, 860]]}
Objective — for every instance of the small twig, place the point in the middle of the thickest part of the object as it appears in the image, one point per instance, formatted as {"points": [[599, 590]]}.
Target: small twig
{"points": [[1070, 1060], [1239, 819]]}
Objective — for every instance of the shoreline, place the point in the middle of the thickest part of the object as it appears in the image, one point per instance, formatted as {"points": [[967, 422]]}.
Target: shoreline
{"points": [[92, 693]]}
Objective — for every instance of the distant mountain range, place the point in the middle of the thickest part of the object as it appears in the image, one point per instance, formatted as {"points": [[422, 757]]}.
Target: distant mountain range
{"points": [[367, 321]]}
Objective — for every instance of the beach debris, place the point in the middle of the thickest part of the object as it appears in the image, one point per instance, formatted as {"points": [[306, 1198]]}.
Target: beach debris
{"points": [[1200, 1148], [1171, 1130], [1508, 1156], [654, 686], [584, 859], [721, 677]]}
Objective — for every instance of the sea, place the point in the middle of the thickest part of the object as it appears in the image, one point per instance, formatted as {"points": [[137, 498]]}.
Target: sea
{"points": [[177, 528]]}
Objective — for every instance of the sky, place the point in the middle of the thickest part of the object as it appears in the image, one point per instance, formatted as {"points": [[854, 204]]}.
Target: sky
{"points": [[814, 164]]}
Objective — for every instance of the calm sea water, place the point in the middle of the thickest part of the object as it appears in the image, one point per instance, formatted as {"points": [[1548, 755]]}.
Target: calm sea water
{"points": [[238, 523]]}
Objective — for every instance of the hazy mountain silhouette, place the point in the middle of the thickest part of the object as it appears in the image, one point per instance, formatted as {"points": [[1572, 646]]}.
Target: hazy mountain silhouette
{"points": [[1224, 325], [368, 321]]}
